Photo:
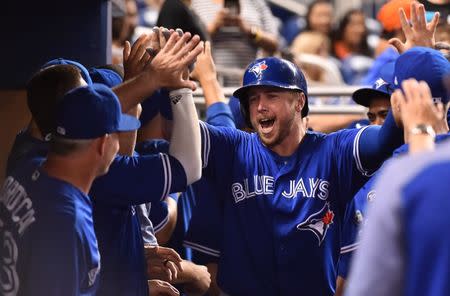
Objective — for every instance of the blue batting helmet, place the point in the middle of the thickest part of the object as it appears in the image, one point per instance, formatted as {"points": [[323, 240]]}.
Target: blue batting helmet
{"points": [[274, 72]]}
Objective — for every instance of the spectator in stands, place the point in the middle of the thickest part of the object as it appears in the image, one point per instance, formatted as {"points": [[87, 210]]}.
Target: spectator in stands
{"points": [[123, 27], [239, 29], [351, 47], [312, 53], [441, 6], [319, 17], [351, 36], [178, 14]]}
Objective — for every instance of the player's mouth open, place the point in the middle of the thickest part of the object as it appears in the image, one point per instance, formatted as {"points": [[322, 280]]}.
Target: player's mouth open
{"points": [[266, 125]]}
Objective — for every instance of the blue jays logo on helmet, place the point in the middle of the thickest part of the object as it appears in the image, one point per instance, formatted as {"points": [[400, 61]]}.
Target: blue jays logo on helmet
{"points": [[258, 68], [318, 222]]}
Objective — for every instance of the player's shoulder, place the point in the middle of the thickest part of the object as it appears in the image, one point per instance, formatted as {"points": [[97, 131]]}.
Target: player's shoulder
{"points": [[396, 172]]}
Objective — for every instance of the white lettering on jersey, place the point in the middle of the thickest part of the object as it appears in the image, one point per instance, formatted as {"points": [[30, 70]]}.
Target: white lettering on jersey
{"points": [[9, 281], [262, 185], [296, 187], [17, 202]]}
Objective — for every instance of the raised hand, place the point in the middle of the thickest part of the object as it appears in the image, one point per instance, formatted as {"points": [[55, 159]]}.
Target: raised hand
{"points": [[135, 58], [420, 33], [416, 105], [205, 67], [173, 59]]}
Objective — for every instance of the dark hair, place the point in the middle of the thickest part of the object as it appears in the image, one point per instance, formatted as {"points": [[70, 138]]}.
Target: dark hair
{"points": [[310, 8], [339, 35], [44, 91], [63, 147], [117, 27]]}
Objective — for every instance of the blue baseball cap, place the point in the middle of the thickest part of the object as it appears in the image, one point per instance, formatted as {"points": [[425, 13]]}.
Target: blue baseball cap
{"points": [[61, 61], [423, 63], [107, 77], [382, 88], [90, 112]]}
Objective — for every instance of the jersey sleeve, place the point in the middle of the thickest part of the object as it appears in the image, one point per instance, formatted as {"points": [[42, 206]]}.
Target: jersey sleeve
{"points": [[219, 146], [345, 151], [159, 215], [205, 228], [380, 257], [349, 241], [139, 179], [219, 114], [147, 231]]}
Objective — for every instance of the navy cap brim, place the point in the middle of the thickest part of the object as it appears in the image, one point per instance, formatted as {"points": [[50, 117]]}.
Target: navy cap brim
{"points": [[128, 123], [363, 96]]}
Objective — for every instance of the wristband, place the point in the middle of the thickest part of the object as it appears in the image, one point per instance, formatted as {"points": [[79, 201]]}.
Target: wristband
{"points": [[176, 95], [423, 129]]}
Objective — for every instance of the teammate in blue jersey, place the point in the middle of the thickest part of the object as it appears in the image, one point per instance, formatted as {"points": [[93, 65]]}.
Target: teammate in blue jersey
{"points": [[134, 174], [412, 192], [378, 101], [434, 67], [284, 187], [46, 225]]}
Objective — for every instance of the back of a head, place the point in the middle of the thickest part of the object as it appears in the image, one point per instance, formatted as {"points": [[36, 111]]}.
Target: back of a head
{"points": [[311, 42], [426, 64], [44, 91], [389, 17]]}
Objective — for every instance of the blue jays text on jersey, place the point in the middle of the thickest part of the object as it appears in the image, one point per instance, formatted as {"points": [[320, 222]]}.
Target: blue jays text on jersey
{"points": [[263, 185], [282, 215]]}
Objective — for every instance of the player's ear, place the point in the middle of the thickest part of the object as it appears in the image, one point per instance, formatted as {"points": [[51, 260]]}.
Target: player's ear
{"points": [[300, 101], [101, 144]]}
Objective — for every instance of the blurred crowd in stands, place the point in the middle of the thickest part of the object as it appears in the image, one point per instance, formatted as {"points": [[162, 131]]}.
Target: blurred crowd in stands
{"points": [[347, 49]]}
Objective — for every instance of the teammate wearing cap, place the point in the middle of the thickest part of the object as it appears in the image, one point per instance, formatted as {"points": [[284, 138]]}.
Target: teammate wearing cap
{"points": [[50, 247], [134, 173], [378, 101], [282, 187], [433, 68], [403, 249]]}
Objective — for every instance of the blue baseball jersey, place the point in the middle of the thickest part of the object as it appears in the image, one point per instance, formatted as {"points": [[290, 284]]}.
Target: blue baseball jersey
{"points": [[282, 215], [49, 243], [354, 219], [405, 247], [117, 224], [356, 212], [204, 232]]}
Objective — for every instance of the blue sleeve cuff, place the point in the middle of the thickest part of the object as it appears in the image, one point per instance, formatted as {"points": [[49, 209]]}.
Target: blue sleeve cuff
{"points": [[219, 114]]}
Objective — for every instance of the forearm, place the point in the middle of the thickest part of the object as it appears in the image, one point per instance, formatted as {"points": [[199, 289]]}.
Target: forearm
{"points": [[266, 41], [212, 91], [164, 234], [377, 144], [133, 91], [185, 143]]}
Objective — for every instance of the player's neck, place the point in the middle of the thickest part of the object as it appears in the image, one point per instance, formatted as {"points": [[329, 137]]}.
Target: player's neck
{"points": [[33, 130], [70, 170], [290, 144]]}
